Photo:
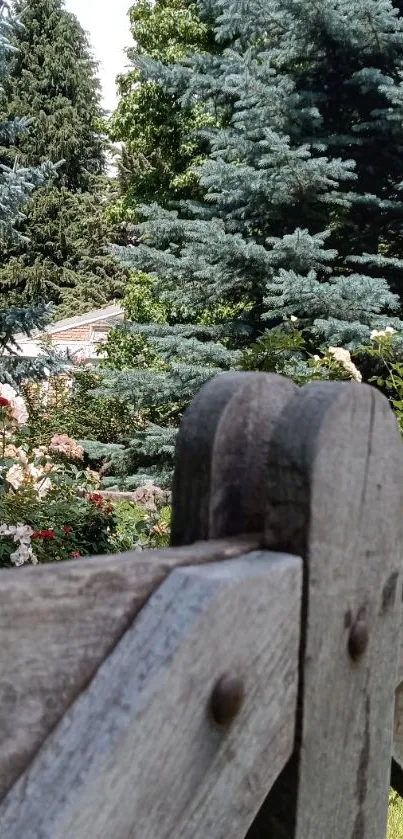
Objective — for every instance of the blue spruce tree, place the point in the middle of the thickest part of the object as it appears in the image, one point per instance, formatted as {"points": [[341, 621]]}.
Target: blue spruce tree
{"points": [[16, 185], [303, 188]]}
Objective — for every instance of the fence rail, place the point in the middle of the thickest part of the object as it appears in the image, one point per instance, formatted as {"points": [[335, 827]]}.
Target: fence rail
{"points": [[246, 682]]}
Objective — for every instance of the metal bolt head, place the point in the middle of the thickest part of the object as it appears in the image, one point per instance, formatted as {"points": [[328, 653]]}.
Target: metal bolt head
{"points": [[226, 700], [358, 639]]}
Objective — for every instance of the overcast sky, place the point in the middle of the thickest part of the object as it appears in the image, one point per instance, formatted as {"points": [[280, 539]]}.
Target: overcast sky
{"points": [[107, 24]]}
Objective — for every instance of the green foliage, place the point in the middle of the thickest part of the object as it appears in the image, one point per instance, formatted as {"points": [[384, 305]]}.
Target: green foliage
{"points": [[139, 528], [124, 348], [65, 260], [53, 79], [300, 199], [62, 256], [71, 406], [298, 202], [16, 186], [160, 145], [65, 525]]}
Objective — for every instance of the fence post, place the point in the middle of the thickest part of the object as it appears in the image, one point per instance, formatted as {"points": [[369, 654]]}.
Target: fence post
{"points": [[254, 402], [322, 476]]}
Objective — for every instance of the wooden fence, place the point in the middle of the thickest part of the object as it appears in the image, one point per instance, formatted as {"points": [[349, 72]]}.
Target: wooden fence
{"points": [[244, 682]]}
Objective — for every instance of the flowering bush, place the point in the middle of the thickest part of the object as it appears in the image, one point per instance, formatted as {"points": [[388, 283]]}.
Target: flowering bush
{"points": [[49, 507], [68, 404]]}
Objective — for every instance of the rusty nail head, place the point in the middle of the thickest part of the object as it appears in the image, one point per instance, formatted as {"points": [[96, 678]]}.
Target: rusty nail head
{"points": [[358, 639], [226, 700]]}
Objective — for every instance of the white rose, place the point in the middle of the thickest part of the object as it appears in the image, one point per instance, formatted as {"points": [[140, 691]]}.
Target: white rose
{"points": [[19, 410], [344, 358], [8, 392], [43, 487], [15, 476]]}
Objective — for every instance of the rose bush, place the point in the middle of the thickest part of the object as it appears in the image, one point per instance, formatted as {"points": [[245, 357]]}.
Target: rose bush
{"points": [[49, 507]]}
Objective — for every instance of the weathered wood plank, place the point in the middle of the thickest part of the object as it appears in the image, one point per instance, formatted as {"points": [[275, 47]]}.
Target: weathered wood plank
{"points": [[239, 461], [137, 754], [197, 438], [57, 624], [398, 727], [334, 491]]}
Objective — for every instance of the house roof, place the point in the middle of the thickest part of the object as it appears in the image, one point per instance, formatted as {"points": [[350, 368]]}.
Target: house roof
{"points": [[110, 313]]}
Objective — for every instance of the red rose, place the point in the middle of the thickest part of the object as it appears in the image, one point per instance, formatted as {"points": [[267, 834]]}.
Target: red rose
{"points": [[75, 554], [4, 402], [97, 499], [44, 534]]}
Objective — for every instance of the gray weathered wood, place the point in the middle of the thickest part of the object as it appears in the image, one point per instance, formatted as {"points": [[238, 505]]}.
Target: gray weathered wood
{"points": [[398, 727], [334, 490], [137, 756], [197, 437], [58, 622], [332, 494], [241, 444]]}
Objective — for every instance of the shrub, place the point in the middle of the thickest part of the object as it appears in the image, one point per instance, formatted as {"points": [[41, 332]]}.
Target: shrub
{"points": [[48, 507], [67, 404]]}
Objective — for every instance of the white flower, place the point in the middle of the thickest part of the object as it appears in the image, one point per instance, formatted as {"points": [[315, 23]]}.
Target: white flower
{"points": [[16, 476], [7, 529], [17, 408], [22, 533], [13, 451], [382, 333], [8, 392], [293, 319], [316, 358], [40, 452], [43, 487], [344, 358], [22, 555]]}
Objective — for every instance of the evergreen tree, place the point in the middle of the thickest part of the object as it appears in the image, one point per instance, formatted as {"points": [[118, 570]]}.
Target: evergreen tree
{"points": [[16, 185], [53, 79], [302, 190], [158, 136]]}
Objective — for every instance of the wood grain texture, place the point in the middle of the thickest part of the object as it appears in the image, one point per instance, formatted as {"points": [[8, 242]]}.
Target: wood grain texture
{"points": [[191, 480], [398, 727], [58, 622], [197, 439], [240, 451], [137, 756], [334, 496]]}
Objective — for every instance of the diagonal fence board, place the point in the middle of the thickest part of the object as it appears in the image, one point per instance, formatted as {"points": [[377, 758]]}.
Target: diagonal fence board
{"points": [[58, 622], [137, 754]]}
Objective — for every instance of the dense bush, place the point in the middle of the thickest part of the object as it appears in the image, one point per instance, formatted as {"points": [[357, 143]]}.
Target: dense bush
{"points": [[50, 508], [67, 404]]}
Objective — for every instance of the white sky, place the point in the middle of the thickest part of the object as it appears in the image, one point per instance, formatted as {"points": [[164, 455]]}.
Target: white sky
{"points": [[107, 25]]}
